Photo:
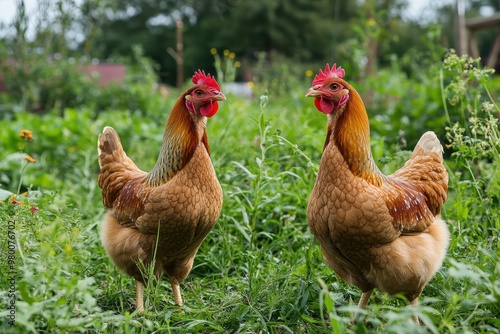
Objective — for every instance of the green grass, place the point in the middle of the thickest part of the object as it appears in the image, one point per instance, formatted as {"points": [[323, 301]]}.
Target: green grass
{"points": [[259, 270]]}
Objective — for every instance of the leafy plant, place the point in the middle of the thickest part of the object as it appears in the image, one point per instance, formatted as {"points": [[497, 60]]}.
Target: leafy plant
{"points": [[474, 136], [225, 66]]}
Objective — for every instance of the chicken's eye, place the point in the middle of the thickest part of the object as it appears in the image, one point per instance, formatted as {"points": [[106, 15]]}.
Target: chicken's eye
{"points": [[199, 93], [334, 87]]}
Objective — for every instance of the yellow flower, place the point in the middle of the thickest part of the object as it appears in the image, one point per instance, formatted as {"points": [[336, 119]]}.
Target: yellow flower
{"points": [[309, 73], [26, 134], [250, 84], [68, 249], [232, 55], [213, 51], [30, 159], [25, 194], [226, 52], [237, 64]]}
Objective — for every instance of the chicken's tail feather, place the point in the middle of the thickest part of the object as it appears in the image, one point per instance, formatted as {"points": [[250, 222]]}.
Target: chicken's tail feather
{"points": [[117, 169], [425, 170], [108, 145], [429, 142]]}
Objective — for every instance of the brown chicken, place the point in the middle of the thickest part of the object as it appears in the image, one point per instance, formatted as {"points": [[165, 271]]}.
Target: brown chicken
{"points": [[375, 231], [176, 204]]}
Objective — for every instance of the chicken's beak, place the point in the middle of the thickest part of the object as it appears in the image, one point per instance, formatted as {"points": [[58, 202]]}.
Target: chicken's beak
{"points": [[313, 92], [218, 96]]}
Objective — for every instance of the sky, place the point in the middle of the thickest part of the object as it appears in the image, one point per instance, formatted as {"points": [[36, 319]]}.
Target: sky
{"points": [[8, 9]]}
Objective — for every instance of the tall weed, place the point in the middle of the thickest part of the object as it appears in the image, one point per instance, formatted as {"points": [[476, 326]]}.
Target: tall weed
{"points": [[474, 206], [474, 137]]}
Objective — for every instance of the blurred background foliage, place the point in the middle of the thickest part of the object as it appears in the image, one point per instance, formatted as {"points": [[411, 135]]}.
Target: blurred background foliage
{"points": [[394, 56], [275, 44], [364, 35]]}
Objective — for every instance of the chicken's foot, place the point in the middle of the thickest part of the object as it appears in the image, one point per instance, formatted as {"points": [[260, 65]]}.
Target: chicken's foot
{"points": [[176, 289], [139, 297]]}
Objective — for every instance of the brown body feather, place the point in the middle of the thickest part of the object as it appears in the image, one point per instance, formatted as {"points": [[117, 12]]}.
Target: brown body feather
{"points": [[177, 203]]}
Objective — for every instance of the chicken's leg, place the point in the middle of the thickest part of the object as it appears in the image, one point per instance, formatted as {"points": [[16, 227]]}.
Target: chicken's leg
{"points": [[362, 303], [176, 289], [139, 297], [364, 299], [414, 303]]}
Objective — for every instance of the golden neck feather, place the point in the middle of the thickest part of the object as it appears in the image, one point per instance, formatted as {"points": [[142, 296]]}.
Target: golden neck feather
{"points": [[350, 132], [183, 133]]}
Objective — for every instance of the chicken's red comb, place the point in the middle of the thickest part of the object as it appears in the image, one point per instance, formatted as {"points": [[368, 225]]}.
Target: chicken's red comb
{"points": [[334, 72], [200, 77]]}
